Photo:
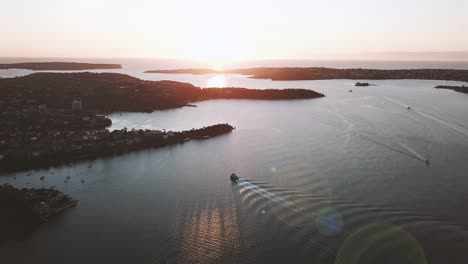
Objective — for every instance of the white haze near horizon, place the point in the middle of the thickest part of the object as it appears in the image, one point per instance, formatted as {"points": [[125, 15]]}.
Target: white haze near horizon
{"points": [[213, 30]]}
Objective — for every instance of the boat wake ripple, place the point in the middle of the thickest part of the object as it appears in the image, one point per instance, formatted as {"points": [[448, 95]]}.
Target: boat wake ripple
{"points": [[325, 224], [448, 124]]}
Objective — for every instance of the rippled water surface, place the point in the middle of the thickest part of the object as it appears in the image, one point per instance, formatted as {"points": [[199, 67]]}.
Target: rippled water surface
{"points": [[341, 179]]}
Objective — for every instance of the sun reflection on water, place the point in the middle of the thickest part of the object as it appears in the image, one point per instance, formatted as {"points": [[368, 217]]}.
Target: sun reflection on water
{"points": [[216, 81], [208, 232]]}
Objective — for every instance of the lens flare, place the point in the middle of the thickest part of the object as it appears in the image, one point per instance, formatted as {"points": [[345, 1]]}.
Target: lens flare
{"points": [[329, 222], [376, 241]]}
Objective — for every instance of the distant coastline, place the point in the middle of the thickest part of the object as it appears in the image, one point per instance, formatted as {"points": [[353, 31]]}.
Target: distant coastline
{"points": [[59, 66], [320, 73]]}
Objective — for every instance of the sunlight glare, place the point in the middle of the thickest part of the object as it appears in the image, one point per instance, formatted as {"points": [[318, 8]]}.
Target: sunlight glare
{"points": [[216, 81]]}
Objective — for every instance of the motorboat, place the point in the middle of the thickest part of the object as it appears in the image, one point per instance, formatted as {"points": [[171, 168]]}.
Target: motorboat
{"points": [[234, 177]]}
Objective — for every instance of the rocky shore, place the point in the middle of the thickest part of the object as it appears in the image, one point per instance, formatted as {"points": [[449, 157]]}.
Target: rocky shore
{"points": [[59, 66], [320, 73]]}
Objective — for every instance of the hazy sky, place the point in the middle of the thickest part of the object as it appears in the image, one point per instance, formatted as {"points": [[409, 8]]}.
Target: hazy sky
{"points": [[230, 29]]}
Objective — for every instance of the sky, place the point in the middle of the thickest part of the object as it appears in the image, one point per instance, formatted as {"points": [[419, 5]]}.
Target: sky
{"points": [[221, 30]]}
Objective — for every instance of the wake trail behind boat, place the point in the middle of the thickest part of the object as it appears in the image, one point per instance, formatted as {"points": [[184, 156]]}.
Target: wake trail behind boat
{"points": [[456, 128], [349, 217], [413, 151], [443, 122], [348, 131], [271, 196], [412, 155], [299, 213]]}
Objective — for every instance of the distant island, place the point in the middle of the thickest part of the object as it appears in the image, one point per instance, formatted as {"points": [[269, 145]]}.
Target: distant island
{"points": [[461, 89], [59, 66], [320, 73], [362, 84], [57, 118]]}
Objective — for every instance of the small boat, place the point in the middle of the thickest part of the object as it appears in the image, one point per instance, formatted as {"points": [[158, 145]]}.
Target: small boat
{"points": [[82, 181], [427, 162], [409, 108], [234, 177], [41, 178], [68, 177], [350, 91], [52, 173]]}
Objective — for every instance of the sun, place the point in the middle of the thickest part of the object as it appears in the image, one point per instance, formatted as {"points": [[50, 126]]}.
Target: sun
{"points": [[216, 49], [218, 66]]}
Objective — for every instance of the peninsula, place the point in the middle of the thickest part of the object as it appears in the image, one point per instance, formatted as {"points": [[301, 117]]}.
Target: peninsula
{"points": [[57, 118], [461, 89], [59, 66], [42, 148], [113, 92], [320, 73]]}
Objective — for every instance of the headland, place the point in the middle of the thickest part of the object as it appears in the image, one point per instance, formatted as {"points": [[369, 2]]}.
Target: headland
{"points": [[461, 89], [59, 66]]}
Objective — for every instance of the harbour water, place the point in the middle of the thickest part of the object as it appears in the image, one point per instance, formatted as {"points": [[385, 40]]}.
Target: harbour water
{"points": [[340, 179]]}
